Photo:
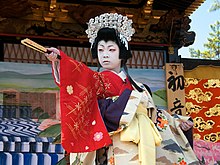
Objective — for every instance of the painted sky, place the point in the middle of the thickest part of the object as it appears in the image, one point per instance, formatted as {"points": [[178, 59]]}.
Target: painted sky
{"points": [[22, 68]]}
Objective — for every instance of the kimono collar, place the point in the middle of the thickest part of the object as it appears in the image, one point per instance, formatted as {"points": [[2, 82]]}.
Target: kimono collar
{"points": [[122, 75]]}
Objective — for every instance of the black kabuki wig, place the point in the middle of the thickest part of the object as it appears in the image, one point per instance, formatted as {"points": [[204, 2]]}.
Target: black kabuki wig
{"points": [[110, 34]]}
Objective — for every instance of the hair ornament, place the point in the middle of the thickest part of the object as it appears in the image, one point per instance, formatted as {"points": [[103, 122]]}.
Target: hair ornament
{"points": [[121, 23]]}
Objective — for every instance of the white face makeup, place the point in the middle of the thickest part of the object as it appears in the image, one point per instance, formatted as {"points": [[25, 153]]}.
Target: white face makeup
{"points": [[108, 55]]}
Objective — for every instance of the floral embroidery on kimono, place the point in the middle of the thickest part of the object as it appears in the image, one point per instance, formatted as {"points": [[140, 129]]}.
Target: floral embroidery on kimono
{"points": [[120, 125]]}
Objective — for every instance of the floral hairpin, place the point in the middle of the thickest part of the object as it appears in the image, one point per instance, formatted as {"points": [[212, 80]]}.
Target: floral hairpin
{"points": [[112, 20]]}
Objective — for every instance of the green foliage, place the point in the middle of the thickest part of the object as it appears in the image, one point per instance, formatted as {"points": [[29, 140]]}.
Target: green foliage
{"points": [[215, 6], [43, 116], [57, 139], [55, 132], [52, 131], [38, 113], [212, 46]]}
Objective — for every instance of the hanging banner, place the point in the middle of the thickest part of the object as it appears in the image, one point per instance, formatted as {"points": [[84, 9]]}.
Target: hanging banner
{"points": [[175, 88]]}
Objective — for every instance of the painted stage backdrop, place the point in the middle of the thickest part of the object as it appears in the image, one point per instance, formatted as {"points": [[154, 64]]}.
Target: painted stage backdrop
{"points": [[37, 78], [28, 99], [29, 103]]}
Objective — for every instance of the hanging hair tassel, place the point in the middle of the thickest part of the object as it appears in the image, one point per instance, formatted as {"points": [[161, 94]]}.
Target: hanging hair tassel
{"points": [[130, 79], [98, 67]]}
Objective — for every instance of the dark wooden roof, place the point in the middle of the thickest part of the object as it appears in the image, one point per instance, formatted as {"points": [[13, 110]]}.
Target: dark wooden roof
{"points": [[163, 22], [190, 63]]}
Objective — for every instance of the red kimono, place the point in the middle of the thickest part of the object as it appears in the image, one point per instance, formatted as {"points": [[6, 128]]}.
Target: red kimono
{"points": [[82, 127]]}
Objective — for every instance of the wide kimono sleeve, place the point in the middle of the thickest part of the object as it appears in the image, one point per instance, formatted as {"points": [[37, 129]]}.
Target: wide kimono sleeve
{"points": [[82, 127]]}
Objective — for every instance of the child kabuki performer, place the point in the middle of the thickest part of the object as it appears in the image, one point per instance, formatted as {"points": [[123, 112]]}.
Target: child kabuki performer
{"points": [[108, 118]]}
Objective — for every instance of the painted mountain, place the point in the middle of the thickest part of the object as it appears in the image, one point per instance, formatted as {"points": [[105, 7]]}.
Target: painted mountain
{"points": [[38, 77], [26, 77]]}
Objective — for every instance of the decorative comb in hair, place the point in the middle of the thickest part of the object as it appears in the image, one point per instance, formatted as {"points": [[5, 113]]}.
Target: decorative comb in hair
{"points": [[121, 23]]}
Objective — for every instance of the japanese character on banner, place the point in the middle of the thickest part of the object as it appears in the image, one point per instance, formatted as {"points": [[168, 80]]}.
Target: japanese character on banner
{"points": [[175, 83]]}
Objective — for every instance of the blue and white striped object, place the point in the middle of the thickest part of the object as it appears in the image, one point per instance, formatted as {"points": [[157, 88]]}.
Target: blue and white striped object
{"points": [[7, 158], [20, 145]]}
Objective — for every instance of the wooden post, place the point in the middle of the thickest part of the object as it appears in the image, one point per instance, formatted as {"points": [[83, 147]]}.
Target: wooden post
{"points": [[175, 88]]}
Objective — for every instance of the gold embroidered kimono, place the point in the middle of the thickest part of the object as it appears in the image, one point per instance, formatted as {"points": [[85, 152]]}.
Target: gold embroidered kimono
{"points": [[137, 142]]}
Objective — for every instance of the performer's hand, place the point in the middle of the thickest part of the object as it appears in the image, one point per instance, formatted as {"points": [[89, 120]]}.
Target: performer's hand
{"points": [[186, 125], [52, 54]]}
